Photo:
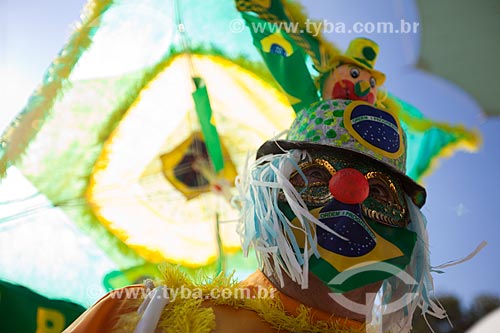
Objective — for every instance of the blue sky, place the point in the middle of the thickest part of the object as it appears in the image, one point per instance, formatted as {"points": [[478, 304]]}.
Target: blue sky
{"points": [[463, 192]]}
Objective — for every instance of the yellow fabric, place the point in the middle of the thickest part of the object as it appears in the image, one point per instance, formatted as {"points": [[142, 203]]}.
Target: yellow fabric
{"points": [[348, 125], [188, 317], [383, 250], [171, 159], [123, 190], [276, 38]]}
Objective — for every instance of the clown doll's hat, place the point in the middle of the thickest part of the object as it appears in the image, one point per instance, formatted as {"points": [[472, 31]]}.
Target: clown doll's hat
{"points": [[362, 52], [354, 129]]}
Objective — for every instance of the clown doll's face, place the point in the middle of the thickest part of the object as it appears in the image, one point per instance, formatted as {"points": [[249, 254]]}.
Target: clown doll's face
{"points": [[350, 82]]}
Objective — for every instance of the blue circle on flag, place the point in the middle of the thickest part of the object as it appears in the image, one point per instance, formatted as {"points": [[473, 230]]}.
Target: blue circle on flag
{"points": [[376, 127], [278, 49]]}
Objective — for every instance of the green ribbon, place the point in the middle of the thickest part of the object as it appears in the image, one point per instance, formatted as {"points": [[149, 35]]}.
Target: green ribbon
{"points": [[204, 112]]}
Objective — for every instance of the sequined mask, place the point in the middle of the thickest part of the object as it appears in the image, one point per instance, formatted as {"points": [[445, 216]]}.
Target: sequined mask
{"points": [[385, 204]]}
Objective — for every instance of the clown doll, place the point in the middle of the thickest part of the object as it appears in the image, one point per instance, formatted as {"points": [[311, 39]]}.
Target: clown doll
{"points": [[352, 76]]}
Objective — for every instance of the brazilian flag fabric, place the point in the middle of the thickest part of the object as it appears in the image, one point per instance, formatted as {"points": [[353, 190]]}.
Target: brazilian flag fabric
{"points": [[24, 311]]}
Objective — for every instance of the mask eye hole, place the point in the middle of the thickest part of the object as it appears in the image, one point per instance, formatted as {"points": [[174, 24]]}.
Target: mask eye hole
{"points": [[317, 173], [385, 206], [380, 191]]}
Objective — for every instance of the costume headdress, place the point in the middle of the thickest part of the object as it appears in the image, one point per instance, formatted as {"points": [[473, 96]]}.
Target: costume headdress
{"points": [[361, 52]]}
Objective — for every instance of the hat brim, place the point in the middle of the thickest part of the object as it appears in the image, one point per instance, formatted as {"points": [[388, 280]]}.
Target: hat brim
{"points": [[379, 76], [416, 192]]}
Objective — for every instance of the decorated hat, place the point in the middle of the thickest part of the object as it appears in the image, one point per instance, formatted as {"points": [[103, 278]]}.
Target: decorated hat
{"points": [[363, 53], [351, 127]]}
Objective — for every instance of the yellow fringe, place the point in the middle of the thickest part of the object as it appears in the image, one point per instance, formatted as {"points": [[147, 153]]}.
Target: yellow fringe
{"points": [[27, 125], [470, 139], [271, 310], [187, 315]]}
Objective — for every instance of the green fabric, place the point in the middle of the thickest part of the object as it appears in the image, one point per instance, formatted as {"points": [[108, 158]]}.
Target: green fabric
{"points": [[297, 82], [402, 238], [277, 11], [232, 263], [132, 275], [53, 169], [426, 144], [94, 96], [204, 112], [23, 311]]}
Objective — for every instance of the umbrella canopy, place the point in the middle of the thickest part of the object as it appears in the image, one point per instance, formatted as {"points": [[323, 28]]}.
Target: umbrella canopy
{"points": [[116, 114], [486, 324], [459, 43], [117, 100]]}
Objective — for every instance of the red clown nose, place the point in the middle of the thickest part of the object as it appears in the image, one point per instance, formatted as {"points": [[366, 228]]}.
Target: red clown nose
{"points": [[349, 186]]}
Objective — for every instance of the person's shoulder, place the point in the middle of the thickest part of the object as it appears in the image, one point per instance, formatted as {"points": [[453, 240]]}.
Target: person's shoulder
{"points": [[230, 319], [103, 315]]}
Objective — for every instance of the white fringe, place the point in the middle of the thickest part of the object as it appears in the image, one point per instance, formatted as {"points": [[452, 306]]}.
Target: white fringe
{"points": [[420, 295], [263, 225]]}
